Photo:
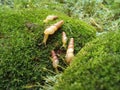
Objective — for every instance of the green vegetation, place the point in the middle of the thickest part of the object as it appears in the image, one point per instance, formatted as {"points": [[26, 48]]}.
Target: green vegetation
{"points": [[105, 13], [96, 66], [23, 62]]}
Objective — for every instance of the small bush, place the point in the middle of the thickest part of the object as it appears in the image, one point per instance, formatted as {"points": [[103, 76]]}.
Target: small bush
{"points": [[22, 61], [95, 67]]}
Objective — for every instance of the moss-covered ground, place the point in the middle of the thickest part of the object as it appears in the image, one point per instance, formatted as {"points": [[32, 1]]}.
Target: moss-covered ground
{"points": [[22, 60], [95, 67]]}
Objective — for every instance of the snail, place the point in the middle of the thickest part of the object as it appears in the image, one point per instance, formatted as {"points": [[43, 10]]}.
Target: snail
{"points": [[55, 60], [50, 18], [64, 39], [94, 23], [51, 30], [70, 51]]}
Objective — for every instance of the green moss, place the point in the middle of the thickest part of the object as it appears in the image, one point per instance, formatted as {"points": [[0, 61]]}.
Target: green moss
{"points": [[22, 60], [95, 67]]}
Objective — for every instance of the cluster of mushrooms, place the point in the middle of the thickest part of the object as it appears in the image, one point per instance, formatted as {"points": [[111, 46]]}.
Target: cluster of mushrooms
{"points": [[51, 30]]}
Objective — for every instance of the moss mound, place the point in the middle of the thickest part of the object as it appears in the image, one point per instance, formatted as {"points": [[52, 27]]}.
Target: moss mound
{"points": [[95, 67], [22, 60]]}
